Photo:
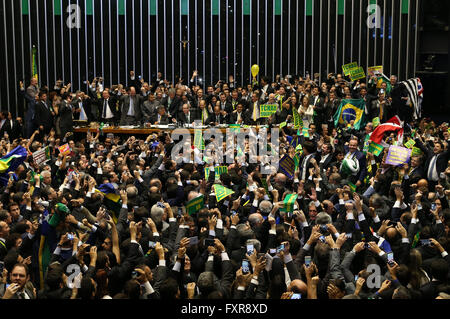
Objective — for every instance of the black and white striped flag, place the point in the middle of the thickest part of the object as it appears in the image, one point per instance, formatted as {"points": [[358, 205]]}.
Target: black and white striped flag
{"points": [[415, 94]]}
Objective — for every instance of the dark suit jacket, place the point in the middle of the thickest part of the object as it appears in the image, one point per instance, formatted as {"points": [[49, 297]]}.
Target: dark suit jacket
{"points": [[182, 118], [319, 109], [212, 119], [87, 109], [112, 102], [174, 107], [66, 118], [43, 117], [233, 118], [126, 103], [164, 120], [441, 162], [14, 132]]}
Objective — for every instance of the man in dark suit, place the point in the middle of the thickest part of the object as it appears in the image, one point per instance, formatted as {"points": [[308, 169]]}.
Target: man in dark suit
{"points": [[439, 273], [436, 160], [217, 117], [325, 156], [82, 103], [319, 106], [238, 116], [19, 288], [352, 152], [134, 82], [107, 107], [381, 108], [131, 108], [4, 233], [266, 89], [413, 175], [224, 104], [172, 103], [253, 112], [307, 159], [203, 112], [12, 127], [66, 115], [187, 116], [44, 114], [160, 118]]}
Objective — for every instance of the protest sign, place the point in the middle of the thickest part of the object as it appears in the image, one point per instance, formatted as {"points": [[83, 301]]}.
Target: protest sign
{"points": [[41, 156], [267, 110], [398, 155], [195, 205], [287, 166], [348, 67]]}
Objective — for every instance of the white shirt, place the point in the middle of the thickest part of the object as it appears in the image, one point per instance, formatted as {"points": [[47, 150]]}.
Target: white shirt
{"points": [[109, 114], [83, 116]]}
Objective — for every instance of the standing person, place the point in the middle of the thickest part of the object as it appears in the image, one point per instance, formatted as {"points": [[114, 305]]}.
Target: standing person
{"points": [[131, 108], [107, 106], [149, 108], [44, 114], [31, 95], [66, 115], [82, 103]]}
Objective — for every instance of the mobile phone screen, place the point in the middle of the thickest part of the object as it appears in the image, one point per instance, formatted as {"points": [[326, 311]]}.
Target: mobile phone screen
{"points": [[390, 257], [245, 267], [151, 244], [250, 250], [280, 248], [296, 296], [307, 261]]}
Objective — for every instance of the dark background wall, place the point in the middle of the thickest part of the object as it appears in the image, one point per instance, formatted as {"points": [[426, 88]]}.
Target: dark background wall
{"points": [[225, 37]]}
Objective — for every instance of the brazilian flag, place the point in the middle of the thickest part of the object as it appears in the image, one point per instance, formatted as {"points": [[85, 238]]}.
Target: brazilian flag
{"points": [[350, 110]]}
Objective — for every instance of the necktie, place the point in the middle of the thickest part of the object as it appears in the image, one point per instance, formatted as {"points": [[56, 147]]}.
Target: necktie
{"points": [[83, 116], [432, 168], [131, 110], [239, 117], [104, 109], [189, 118], [255, 115], [381, 111]]}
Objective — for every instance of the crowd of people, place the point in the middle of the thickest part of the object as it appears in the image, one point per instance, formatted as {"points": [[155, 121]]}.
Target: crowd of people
{"points": [[108, 220]]}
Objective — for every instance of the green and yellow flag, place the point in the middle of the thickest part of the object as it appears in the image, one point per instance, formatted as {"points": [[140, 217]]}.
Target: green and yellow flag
{"points": [[289, 202], [298, 122], [350, 110], [195, 205], [222, 192], [34, 65]]}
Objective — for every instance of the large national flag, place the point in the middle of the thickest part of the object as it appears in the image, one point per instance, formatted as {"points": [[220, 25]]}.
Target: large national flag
{"points": [[10, 162], [393, 125], [415, 94], [111, 199], [384, 79], [350, 110]]}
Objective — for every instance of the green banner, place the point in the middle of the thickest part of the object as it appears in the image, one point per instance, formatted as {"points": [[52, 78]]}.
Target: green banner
{"points": [[410, 144], [25, 7], [218, 170], [298, 122], [235, 128], [278, 7], [267, 110], [222, 192], [341, 7], [309, 7], [57, 10], [195, 205], [89, 7], [215, 7], [348, 67], [199, 142], [34, 62], [375, 148], [246, 7], [184, 7], [357, 74], [122, 7], [289, 202], [405, 6], [153, 7]]}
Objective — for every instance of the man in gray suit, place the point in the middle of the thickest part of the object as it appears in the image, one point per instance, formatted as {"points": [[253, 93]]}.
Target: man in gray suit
{"points": [[131, 108], [150, 108], [19, 287], [31, 96]]}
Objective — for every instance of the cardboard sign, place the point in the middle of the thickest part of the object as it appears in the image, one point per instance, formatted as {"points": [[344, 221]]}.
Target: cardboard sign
{"points": [[375, 148], [218, 170], [267, 110], [41, 156], [222, 192], [287, 166], [398, 155], [357, 74], [375, 70], [195, 205], [348, 67], [64, 150], [410, 144]]}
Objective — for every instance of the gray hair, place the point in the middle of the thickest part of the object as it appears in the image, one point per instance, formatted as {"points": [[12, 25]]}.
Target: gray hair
{"points": [[377, 200], [157, 213], [205, 282], [265, 207], [323, 219], [256, 243], [244, 232]]}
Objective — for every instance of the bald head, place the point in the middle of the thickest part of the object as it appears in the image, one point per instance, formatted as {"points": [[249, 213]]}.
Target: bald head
{"points": [[391, 232], [298, 286]]}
